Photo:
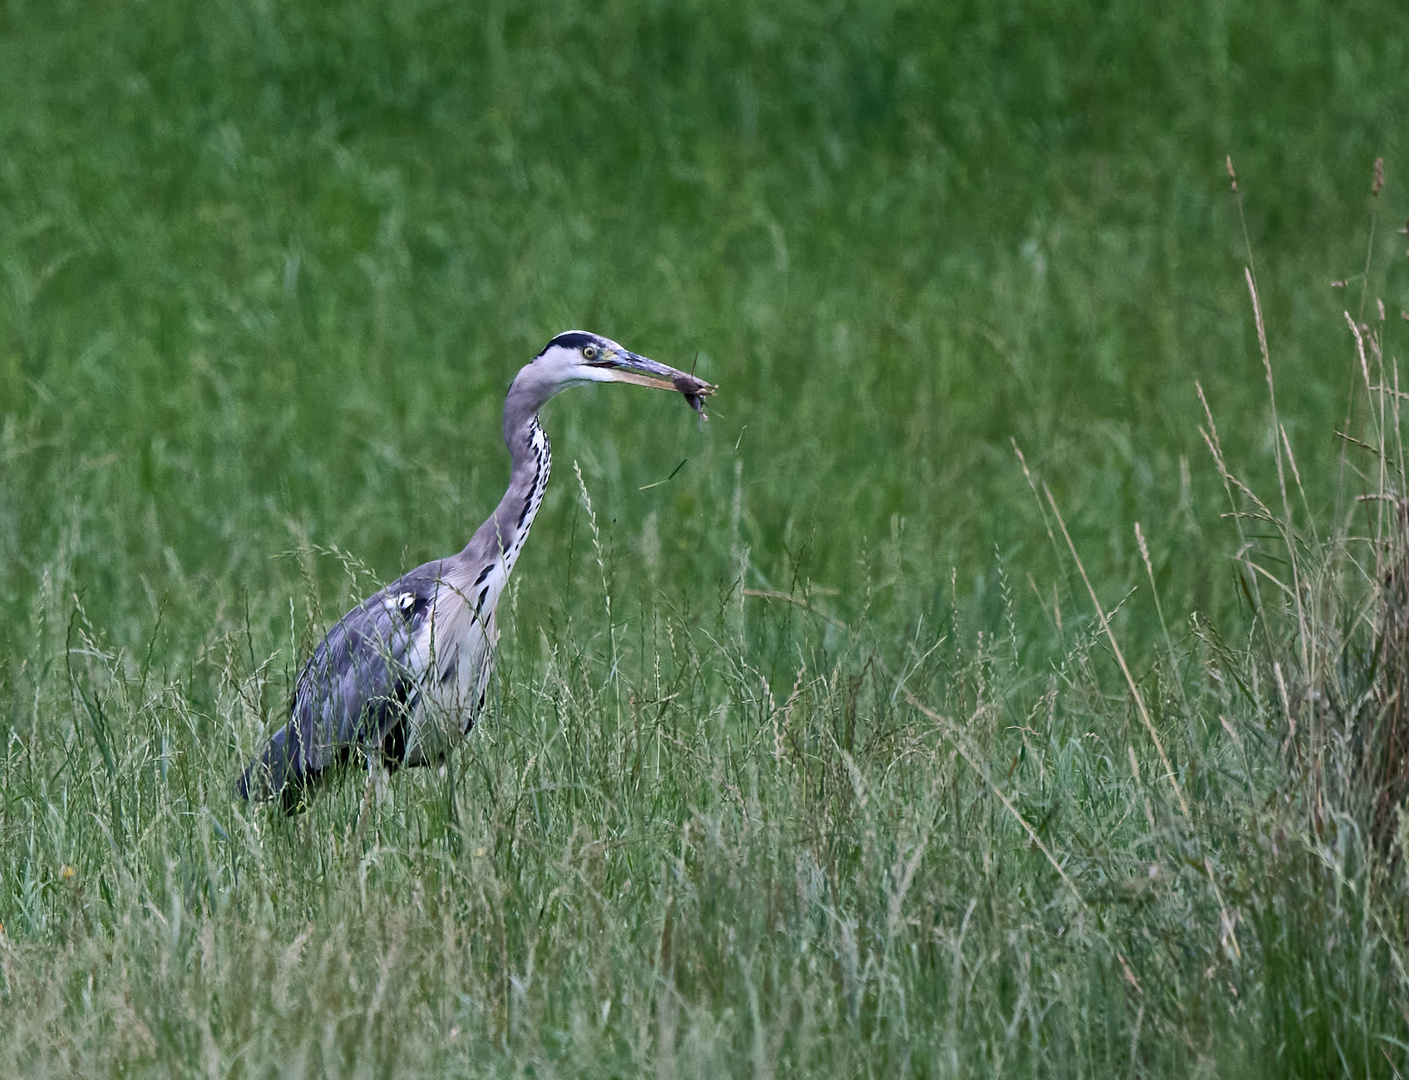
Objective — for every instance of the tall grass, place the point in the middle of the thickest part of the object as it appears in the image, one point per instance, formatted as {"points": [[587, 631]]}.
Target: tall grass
{"points": [[911, 854]]}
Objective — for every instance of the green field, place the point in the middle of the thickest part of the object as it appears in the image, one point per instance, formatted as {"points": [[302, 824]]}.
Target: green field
{"points": [[809, 750]]}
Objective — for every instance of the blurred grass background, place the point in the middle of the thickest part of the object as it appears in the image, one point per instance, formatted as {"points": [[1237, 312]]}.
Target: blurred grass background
{"points": [[268, 269]]}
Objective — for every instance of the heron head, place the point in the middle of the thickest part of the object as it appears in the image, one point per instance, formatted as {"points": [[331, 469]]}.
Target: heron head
{"points": [[577, 357]]}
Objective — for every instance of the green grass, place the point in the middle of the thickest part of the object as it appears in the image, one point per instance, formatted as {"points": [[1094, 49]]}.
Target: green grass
{"points": [[815, 759]]}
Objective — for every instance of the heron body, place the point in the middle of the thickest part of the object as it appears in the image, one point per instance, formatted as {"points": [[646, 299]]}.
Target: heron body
{"points": [[406, 669]]}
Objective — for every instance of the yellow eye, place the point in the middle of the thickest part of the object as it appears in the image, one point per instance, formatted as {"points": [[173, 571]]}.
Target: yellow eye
{"points": [[589, 352]]}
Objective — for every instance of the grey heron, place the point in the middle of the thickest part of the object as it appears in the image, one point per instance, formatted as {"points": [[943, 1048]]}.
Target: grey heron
{"points": [[406, 669]]}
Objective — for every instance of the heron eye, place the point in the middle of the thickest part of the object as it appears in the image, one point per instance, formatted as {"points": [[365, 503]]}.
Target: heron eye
{"points": [[589, 352]]}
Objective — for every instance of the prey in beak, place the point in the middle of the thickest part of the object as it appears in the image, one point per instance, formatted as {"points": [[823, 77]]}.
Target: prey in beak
{"points": [[630, 367]]}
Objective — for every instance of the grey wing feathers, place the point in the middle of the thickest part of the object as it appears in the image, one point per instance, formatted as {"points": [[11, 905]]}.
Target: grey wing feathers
{"points": [[355, 691]]}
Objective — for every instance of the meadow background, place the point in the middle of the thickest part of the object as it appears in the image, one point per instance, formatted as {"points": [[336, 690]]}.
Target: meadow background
{"points": [[812, 754]]}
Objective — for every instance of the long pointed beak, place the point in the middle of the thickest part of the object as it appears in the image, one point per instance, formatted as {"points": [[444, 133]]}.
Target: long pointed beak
{"points": [[629, 367]]}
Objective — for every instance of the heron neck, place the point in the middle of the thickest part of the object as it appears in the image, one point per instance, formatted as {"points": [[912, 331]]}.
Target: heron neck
{"points": [[503, 534]]}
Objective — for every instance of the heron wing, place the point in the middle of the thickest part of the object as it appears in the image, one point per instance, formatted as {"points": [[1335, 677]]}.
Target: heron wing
{"points": [[360, 686]]}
